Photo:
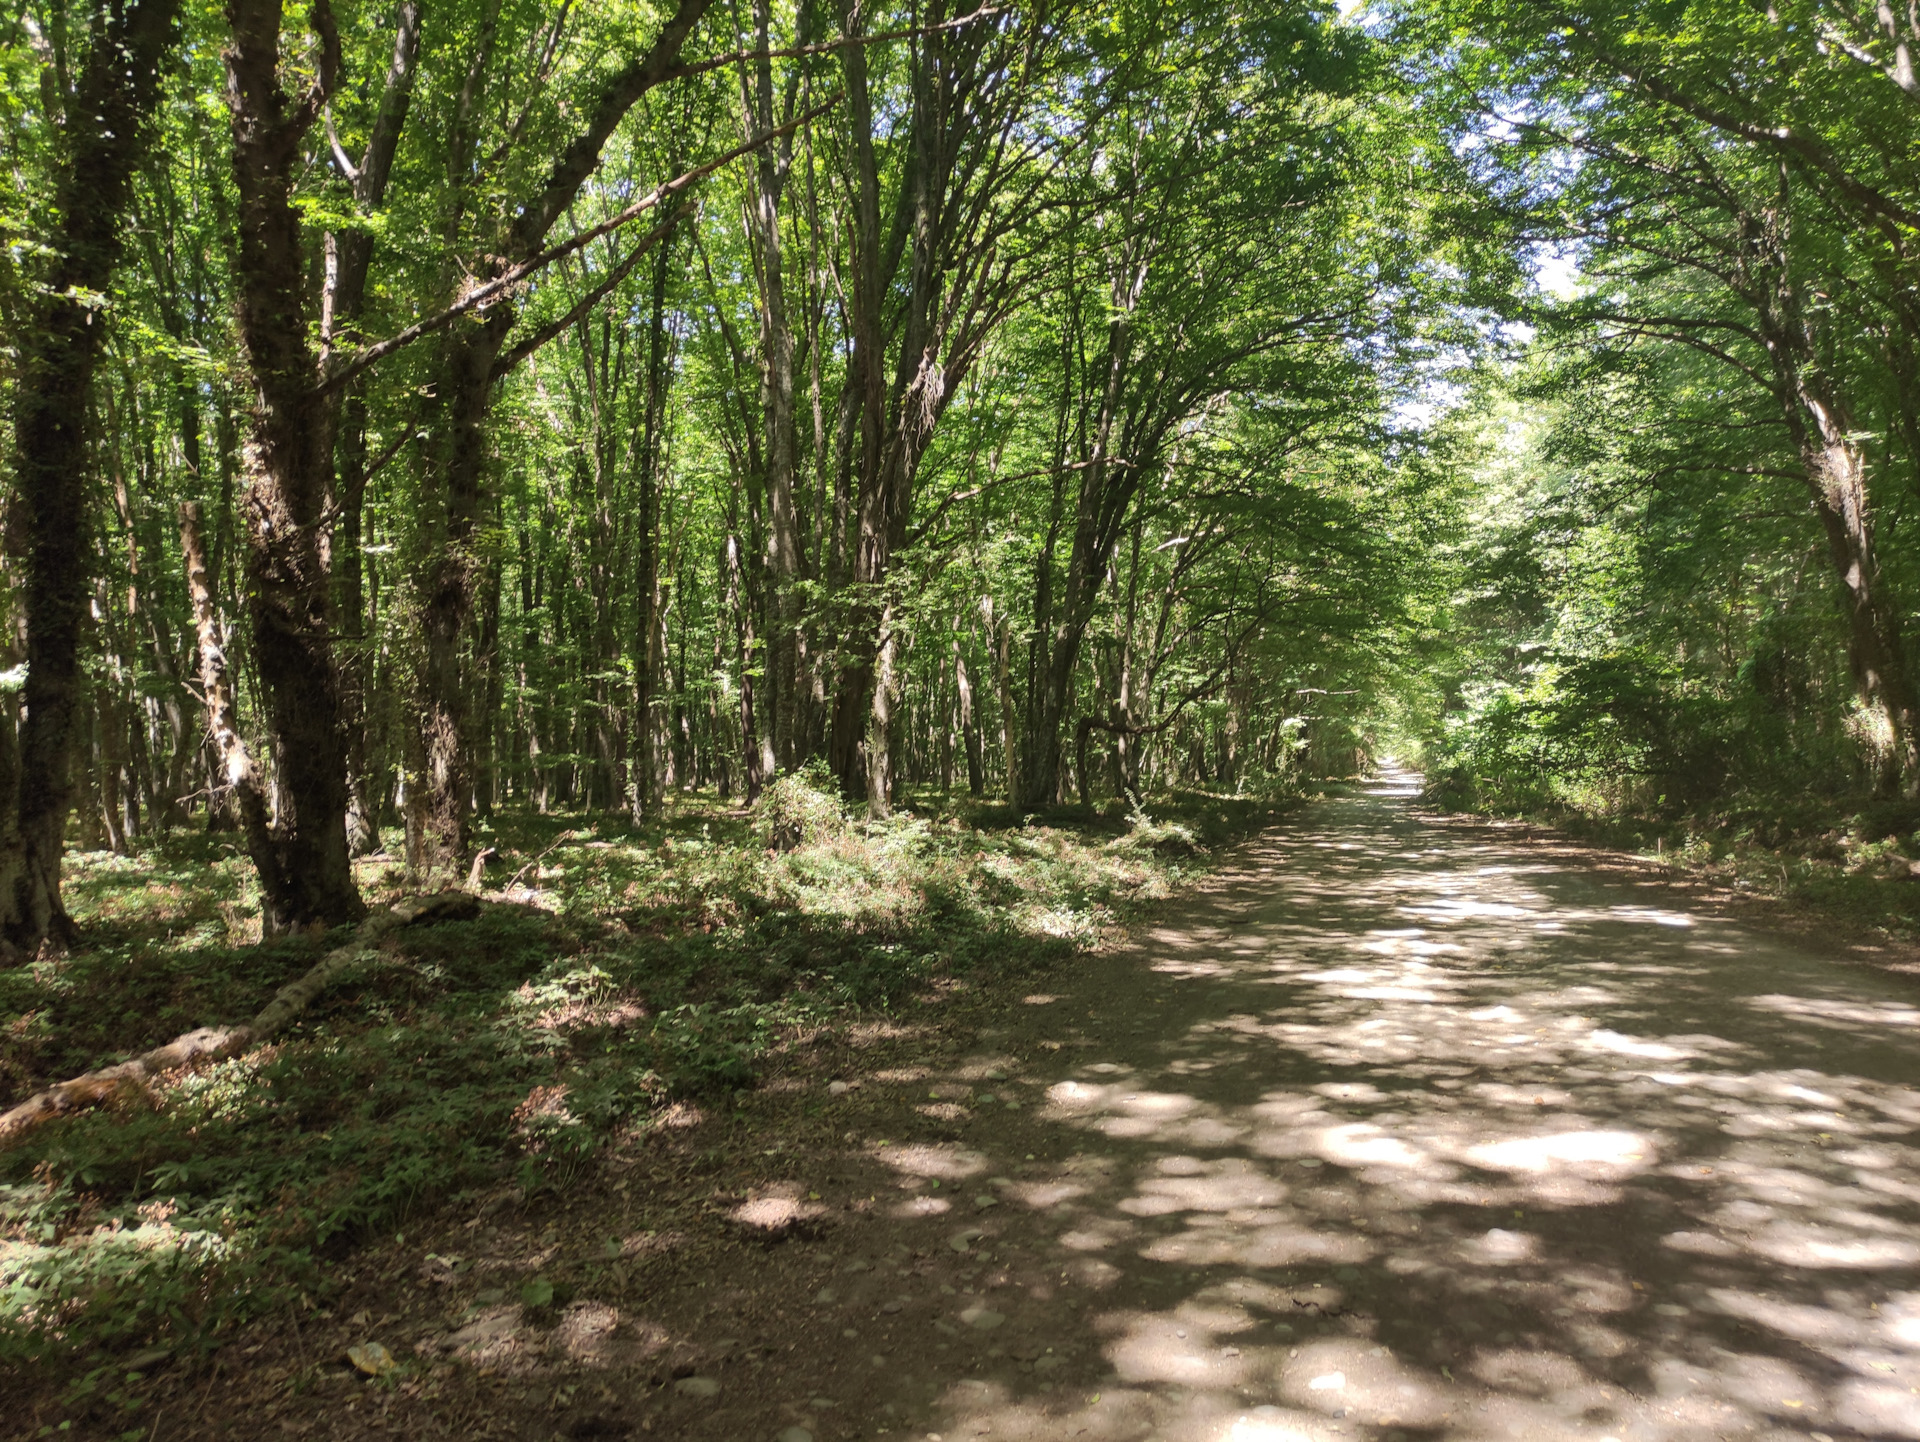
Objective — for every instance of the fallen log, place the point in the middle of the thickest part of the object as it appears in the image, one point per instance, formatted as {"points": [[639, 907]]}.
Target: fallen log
{"points": [[210, 1044]]}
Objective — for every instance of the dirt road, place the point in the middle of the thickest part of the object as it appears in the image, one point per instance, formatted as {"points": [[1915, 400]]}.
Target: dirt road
{"points": [[1399, 1130], [1403, 1132]]}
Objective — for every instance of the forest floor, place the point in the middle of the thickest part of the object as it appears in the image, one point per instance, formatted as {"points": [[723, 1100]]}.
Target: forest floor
{"points": [[1398, 1127]]}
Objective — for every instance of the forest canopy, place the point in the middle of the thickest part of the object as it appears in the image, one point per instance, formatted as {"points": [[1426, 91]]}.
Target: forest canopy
{"points": [[568, 406]]}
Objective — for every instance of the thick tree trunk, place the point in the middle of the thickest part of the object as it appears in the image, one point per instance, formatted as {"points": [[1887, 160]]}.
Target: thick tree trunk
{"points": [[1821, 425], [1876, 648], [101, 142], [288, 470]]}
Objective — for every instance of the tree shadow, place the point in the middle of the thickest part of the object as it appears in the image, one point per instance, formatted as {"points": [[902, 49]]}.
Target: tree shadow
{"points": [[1405, 1133]]}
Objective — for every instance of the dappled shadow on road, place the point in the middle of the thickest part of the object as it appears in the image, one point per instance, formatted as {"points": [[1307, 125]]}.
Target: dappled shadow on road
{"points": [[1409, 1132]]}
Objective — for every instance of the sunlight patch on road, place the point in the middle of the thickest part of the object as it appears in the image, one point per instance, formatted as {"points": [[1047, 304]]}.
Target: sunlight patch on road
{"points": [[1831, 1012], [948, 1164], [1616, 1149], [1651, 915], [1602, 1039], [1467, 908], [1501, 1248], [1361, 1144]]}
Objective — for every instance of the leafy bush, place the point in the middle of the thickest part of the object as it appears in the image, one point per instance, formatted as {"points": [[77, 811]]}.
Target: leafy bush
{"points": [[799, 809], [1595, 733], [1161, 838]]}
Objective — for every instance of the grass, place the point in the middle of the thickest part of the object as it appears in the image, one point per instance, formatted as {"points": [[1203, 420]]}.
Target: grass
{"points": [[627, 969]]}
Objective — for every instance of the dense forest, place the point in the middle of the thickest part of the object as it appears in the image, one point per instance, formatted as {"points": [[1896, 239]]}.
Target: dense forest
{"points": [[441, 433], [985, 397]]}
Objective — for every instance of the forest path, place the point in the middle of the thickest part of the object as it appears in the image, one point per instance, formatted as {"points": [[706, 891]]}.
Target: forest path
{"points": [[1400, 1129], [1395, 1129]]}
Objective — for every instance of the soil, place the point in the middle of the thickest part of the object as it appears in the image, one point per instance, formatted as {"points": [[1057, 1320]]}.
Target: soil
{"points": [[1395, 1129]]}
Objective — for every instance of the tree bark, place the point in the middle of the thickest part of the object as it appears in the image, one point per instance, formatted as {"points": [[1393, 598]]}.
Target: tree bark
{"points": [[1821, 426], [1104, 489], [236, 760], [288, 471], [963, 705], [100, 142], [785, 562], [649, 642], [1000, 640], [1876, 649]]}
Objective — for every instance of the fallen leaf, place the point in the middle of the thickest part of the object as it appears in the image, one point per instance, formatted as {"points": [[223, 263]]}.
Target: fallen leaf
{"points": [[371, 1358]]}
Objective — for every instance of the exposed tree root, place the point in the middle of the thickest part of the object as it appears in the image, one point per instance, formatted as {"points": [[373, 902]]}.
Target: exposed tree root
{"points": [[208, 1043]]}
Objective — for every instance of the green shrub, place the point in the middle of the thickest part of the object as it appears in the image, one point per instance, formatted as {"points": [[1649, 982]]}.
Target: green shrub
{"points": [[799, 809], [1161, 838]]}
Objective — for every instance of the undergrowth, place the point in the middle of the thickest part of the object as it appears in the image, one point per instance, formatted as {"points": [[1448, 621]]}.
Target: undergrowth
{"points": [[621, 970]]}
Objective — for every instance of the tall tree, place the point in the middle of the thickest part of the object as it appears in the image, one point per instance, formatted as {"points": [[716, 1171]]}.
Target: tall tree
{"points": [[454, 487], [102, 121], [306, 874], [349, 267], [928, 284], [1225, 259], [1726, 172]]}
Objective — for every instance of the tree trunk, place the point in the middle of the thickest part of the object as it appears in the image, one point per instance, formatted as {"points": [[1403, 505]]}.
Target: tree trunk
{"points": [[868, 522], [881, 780], [1821, 426], [1000, 639], [350, 259], [784, 561], [752, 763], [649, 638], [969, 722], [455, 486], [1876, 649], [100, 142], [1103, 492], [237, 767], [288, 470]]}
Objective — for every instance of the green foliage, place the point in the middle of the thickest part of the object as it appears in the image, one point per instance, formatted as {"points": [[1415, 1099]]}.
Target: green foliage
{"points": [[507, 1050], [1163, 838], [801, 808]]}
